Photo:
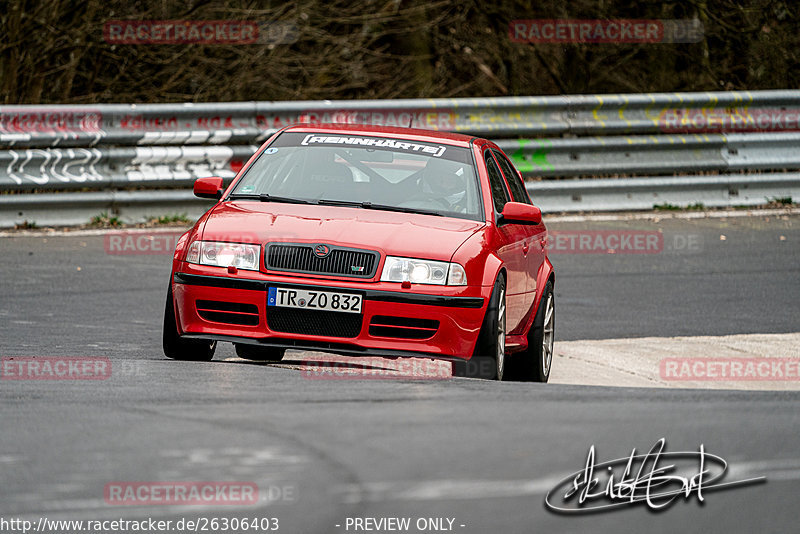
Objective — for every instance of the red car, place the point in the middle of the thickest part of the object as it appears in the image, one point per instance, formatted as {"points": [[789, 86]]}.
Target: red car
{"points": [[362, 240]]}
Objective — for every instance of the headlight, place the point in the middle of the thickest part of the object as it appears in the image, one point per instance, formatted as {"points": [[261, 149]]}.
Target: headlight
{"points": [[224, 254], [423, 272]]}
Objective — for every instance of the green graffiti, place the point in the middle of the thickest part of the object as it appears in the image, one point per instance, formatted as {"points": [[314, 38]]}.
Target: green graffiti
{"points": [[537, 160]]}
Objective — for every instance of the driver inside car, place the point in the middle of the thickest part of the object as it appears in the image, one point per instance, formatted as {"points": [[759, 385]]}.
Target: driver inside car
{"points": [[443, 181]]}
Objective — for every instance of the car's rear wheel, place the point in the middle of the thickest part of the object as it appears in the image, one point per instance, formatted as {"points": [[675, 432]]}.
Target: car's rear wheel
{"points": [[534, 363], [489, 359], [183, 349], [261, 354]]}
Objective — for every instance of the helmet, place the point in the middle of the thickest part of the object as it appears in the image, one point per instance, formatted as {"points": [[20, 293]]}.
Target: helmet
{"points": [[444, 179]]}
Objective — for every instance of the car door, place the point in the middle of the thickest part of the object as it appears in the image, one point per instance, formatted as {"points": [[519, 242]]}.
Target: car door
{"points": [[534, 238], [509, 249]]}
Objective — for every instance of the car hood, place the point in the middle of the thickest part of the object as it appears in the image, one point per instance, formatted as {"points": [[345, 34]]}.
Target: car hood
{"points": [[392, 233]]}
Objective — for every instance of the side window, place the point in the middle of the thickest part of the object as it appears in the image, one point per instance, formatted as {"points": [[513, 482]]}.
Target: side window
{"points": [[499, 192], [514, 183]]}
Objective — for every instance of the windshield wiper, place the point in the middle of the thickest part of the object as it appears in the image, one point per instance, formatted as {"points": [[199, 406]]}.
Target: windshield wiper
{"points": [[264, 197], [382, 207]]}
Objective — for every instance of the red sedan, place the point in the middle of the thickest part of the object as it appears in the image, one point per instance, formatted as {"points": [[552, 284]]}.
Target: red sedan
{"points": [[377, 241]]}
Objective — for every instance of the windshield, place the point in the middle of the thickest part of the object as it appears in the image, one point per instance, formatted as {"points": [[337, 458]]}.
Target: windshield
{"points": [[364, 171]]}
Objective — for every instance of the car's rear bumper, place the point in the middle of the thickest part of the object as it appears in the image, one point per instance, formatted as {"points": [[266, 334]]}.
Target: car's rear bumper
{"points": [[456, 312]]}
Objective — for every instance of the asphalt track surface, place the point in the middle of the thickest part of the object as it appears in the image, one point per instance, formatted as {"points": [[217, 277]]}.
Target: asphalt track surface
{"points": [[320, 451]]}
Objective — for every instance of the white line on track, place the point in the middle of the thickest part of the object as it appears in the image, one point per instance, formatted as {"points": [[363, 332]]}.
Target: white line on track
{"points": [[757, 361], [743, 362]]}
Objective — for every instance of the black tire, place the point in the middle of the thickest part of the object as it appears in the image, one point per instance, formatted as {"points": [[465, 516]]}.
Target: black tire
{"points": [[260, 354], [176, 348], [534, 363], [488, 362]]}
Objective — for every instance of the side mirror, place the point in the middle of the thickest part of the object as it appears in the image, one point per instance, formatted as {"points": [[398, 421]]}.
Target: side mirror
{"points": [[210, 187], [520, 213]]}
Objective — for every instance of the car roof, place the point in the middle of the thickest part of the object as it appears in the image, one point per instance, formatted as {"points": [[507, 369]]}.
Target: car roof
{"points": [[412, 134]]}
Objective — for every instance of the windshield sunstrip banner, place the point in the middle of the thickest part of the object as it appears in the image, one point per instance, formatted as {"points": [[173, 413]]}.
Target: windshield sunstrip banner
{"points": [[392, 144]]}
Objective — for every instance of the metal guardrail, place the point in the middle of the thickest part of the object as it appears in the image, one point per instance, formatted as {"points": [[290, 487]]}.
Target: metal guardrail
{"points": [[630, 155], [250, 122], [120, 146], [623, 194], [665, 154], [56, 168], [65, 209]]}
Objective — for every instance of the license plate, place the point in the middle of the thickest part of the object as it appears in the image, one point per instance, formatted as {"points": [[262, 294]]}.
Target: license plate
{"points": [[314, 300]]}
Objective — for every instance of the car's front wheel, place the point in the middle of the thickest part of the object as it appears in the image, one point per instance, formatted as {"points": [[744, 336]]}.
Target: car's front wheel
{"points": [[183, 349], [489, 359], [261, 354]]}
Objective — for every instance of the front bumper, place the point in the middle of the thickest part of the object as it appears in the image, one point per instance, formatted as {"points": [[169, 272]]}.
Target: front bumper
{"points": [[457, 311]]}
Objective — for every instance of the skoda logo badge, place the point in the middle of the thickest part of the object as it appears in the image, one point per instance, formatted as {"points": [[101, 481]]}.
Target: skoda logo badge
{"points": [[321, 251]]}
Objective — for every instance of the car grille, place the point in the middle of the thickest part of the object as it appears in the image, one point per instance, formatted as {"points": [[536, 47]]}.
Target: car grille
{"points": [[314, 322], [402, 327], [227, 312], [300, 258]]}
